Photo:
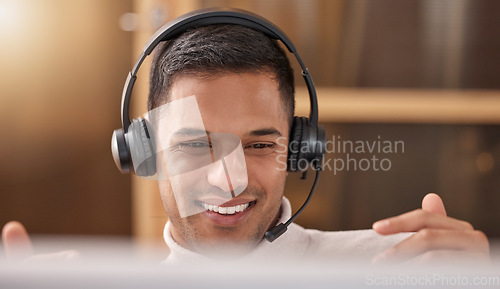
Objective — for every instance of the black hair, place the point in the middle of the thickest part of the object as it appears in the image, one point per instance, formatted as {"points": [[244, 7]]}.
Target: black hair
{"points": [[215, 49]]}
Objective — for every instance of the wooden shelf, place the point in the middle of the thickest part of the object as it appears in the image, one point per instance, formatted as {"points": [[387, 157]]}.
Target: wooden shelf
{"points": [[403, 105]]}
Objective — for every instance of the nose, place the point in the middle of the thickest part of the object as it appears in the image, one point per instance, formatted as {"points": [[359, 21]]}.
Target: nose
{"points": [[229, 173], [217, 176]]}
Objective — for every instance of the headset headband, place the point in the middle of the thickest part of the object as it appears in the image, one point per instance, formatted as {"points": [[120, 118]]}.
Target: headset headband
{"points": [[207, 17]]}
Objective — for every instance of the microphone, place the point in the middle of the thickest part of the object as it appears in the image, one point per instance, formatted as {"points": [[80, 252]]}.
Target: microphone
{"points": [[273, 233]]}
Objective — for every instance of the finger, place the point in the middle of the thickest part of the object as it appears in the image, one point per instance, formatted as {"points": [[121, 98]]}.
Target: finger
{"points": [[435, 239], [16, 241], [433, 203], [416, 220]]}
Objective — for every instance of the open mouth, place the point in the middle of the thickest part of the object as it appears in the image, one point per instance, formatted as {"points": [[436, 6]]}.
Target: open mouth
{"points": [[227, 210]]}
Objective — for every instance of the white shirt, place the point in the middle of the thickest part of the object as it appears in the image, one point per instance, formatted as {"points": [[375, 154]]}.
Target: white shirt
{"points": [[298, 243]]}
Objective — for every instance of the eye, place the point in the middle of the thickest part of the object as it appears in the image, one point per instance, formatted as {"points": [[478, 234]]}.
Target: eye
{"points": [[194, 147], [260, 148], [194, 144]]}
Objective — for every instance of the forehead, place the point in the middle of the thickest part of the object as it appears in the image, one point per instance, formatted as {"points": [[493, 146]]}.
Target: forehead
{"points": [[234, 103]]}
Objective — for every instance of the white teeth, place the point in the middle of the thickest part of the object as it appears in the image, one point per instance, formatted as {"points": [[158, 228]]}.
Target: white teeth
{"points": [[226, 210]]}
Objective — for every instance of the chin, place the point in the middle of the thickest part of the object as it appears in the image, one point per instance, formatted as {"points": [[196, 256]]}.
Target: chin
{"points": [[224, 243]]}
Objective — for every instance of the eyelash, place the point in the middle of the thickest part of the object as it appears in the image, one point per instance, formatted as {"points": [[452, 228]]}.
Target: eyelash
{"points": [[197, 148], [205, 144], [194, 145], [264, 145]]}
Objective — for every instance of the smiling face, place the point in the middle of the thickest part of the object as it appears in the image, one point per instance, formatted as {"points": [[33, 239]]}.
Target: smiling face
{"points": [[246, 105]]}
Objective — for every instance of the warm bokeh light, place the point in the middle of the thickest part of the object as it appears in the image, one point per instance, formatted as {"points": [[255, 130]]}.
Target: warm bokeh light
{"points": [[62, 67], [9, 13], [485, 162]]}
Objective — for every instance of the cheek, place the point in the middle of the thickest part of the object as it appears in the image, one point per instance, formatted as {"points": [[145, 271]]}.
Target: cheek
{"points": [[168, 199], [166, 193], [173, 187], [268, 173]]}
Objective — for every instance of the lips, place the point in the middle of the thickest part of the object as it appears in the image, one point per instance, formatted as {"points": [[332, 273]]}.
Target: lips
{"points": [[231, 213], [226, 210]]}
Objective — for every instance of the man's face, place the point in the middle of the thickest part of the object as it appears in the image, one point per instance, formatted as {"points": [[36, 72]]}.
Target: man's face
{"points": [[248, 106]]}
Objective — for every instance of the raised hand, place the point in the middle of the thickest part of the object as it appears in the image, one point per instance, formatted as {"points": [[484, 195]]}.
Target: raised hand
{"points": [[437, 238]]}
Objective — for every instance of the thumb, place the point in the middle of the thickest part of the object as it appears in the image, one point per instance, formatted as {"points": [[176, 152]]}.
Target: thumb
{"points": [[433, 203], [16, 241]]}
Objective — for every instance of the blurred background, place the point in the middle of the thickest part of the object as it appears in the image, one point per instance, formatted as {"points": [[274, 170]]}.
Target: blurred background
{"points": [[422, 72]]}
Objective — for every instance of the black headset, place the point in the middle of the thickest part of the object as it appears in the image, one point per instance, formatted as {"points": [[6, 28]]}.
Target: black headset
{"points": [[134, 141]]}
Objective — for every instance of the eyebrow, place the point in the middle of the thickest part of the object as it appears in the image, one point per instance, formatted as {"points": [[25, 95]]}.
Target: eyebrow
{"points": [[200, 132], [265, 132], [190, 132]]}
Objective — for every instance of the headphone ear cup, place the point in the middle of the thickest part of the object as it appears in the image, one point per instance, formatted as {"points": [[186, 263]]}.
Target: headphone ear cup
{"points": [[307, 145], [294, 143], [120, 151], [141, 148], [319, 148]]}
